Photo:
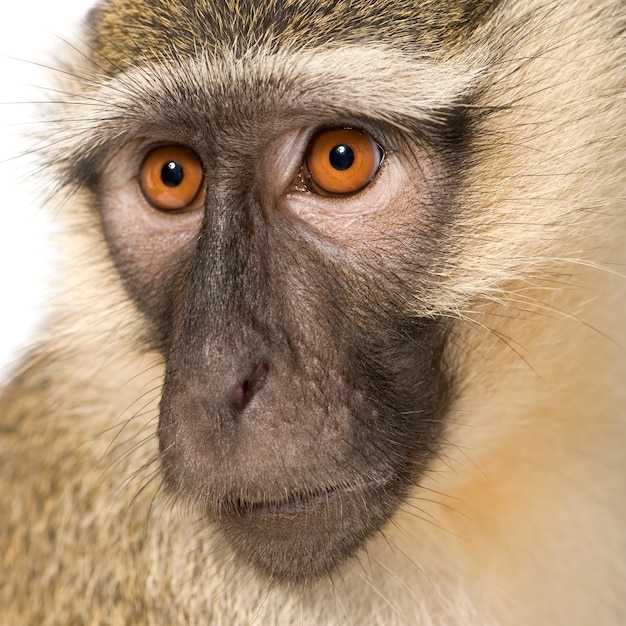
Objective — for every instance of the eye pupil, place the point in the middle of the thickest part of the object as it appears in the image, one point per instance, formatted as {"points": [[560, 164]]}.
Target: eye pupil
{"points": [[172, 174], [341, 157]]}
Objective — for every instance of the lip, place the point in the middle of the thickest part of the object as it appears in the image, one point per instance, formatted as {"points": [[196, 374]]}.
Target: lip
{"points": [[296, 503]]}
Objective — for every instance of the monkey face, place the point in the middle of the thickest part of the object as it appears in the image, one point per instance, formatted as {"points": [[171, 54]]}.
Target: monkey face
{"points": [[302, 395], [282, 237]]}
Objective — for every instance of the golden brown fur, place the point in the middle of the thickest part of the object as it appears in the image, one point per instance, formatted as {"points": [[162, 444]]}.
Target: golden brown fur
{"points": [[520, 520]]}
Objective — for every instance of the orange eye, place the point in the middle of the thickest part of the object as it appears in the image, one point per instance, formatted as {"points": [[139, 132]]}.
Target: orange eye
{"points": [[171, 177], [342, 160]]}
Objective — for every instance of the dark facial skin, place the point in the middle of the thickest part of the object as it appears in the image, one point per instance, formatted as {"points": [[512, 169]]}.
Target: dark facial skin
{"points": [[296, 407]]}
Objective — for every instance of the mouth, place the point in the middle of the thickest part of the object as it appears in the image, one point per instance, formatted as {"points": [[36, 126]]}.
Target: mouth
{"points": [[296, 503], [307, 534]]}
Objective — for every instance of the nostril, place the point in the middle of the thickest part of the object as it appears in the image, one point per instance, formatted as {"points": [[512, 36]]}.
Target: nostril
{"points": [[244, 392]]}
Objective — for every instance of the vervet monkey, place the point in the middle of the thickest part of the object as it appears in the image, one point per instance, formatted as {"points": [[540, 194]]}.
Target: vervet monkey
{"points": [[340, 337]]}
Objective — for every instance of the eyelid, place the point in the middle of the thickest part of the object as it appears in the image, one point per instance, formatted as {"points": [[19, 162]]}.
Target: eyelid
{"points": [[282, 163]]}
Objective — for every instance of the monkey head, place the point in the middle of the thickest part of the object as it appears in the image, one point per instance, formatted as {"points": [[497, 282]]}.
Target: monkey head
{"points": [[280, 221]]}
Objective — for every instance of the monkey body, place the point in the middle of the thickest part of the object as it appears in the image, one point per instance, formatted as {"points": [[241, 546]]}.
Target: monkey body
{"points": [[513, 511]]}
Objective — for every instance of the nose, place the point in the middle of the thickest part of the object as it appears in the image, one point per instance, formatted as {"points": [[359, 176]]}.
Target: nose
{"points": [[244, 391]]}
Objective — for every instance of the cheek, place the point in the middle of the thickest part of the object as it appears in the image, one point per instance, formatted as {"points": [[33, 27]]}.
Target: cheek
{"points": [[145, 242], [399, 200]]}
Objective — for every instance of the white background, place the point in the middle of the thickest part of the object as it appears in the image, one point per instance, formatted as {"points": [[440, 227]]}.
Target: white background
{"points": [[30, 30]]}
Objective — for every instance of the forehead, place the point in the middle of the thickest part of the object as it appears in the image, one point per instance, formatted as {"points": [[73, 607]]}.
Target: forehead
{"points": [[125, 33]]}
